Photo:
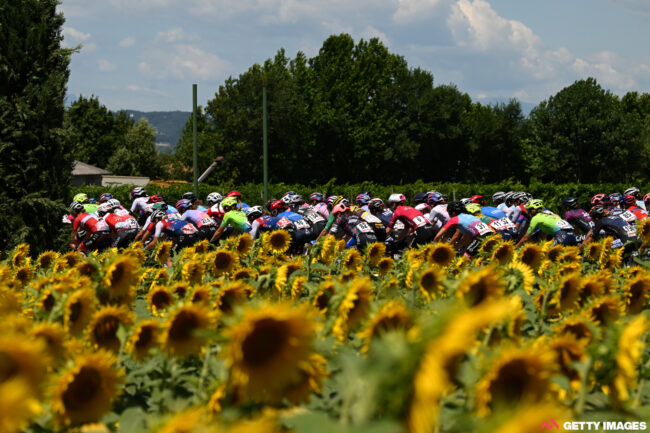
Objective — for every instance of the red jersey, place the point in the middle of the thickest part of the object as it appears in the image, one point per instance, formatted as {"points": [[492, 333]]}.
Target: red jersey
{"points": [[410, 216], [120, 220], [639, 213], [89, 222], [216, 212]]}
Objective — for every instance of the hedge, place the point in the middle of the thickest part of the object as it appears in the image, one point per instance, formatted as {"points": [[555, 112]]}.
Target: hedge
{"points": [[253, 192]]}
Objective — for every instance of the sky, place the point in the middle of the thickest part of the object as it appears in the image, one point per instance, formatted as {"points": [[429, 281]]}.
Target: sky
{"points": [[146, 54]]}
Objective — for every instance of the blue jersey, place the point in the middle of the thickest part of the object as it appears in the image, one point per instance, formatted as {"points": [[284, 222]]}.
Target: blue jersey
{"points": [[493, 212]]}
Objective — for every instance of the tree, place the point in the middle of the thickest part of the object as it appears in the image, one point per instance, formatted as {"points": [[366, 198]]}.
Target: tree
{"points": [[138, 155], [35, 161]]}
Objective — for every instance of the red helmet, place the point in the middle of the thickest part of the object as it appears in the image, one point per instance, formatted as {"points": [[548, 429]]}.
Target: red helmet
{"points": [[340, 208], [479, 199], [277, 205], [155, 199], [600, 200], [628, 200], [234, 194]]}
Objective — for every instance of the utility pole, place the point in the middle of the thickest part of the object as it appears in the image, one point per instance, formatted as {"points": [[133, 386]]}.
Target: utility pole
{"points": [[195, 142], [266, 145]]}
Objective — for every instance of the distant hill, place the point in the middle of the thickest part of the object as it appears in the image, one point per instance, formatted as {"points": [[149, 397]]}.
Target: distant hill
{"points": [[169, 126]]}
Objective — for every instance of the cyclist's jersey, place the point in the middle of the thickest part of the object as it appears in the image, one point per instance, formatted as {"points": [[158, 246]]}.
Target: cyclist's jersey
{"points": [[513, 213], [616, 227], [139, 205], [119, 220], [641, 204], [289, 218], [198, 218], [548, 223], [216, 212], [384, 216], [579, 219], [237, 219], [90, 208], [439, 215], [91, 223], [172, 227], [468, 225], [243, 206], [502, 207], [410, 216], [499, 224], [202, 208], [313, 217], [264, 223], [351, 225], [493, 212], [628, 216], [639, 213], [321, 208]]}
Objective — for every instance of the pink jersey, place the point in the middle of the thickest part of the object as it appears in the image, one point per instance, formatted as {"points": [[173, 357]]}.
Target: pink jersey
{"points": [[410, 216]]}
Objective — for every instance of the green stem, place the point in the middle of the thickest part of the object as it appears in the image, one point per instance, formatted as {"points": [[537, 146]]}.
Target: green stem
{"points": [[580, 404]]}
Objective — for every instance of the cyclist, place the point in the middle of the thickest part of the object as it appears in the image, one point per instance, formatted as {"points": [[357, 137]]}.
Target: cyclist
{"points": [[636, 193], [240, 204], [260, 222], [549, 224], [499, 200], [577, 217], [98, 234], [478, 199], [314, 218], [233, 216], [351, 227], [469, 230], [438, 215], [375, 223], [105, 197], [502, 225], [317, 200], [140, 201], [362, 201], [123, 226], [181, 233], [299, 229], [206, 226], [629, 203], [419, 228], [194, 201], [85, 201], [606, 224]]}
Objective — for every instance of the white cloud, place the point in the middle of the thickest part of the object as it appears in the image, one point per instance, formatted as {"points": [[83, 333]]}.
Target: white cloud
{"points": [[610, 69], [414, 10], [182, 61], [371, 32], [136, 88], [73, 37], [127, 42], [106, 66], [176, 35]]}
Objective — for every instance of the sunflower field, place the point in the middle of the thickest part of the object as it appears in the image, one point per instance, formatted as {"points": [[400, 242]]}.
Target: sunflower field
{"points": [[245, 338]]}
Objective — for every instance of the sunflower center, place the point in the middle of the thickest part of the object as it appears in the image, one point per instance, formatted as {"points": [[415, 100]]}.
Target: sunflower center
{"points": [[183, 326], [48, 302], [8, 367], [428, 281], [105, 331], [84, 387], [579, 330], [144, 338], [321, 301], [268, 338], [513, 382], [228, 300], [222, 261], [440, 256], [75, 311], [116, 275], [161, 299]]}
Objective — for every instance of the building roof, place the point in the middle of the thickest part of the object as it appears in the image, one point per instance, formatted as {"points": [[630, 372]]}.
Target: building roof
{"points": [[82, 169]]}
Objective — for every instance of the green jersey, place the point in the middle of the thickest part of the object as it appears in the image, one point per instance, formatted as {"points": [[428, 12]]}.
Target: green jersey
{"points": [[237, 219], [548, 223]]}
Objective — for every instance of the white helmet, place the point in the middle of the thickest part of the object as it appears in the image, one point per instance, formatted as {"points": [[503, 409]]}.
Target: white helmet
{"points": [[422, 207], [631, 191], [466, 201], [114, 203], [104, 208], [396, 198], [213, 198], [254, 212]]}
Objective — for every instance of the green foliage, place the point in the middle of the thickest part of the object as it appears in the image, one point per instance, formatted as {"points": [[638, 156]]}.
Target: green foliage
{"points": [[36, 159], [138, 156]]}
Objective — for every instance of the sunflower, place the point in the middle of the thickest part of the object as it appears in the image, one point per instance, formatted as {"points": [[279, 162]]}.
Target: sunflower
{"points": [[531, 255], [277, 241], [591, 251], [244, 274], [24, 274], [323, 295], [121, 277], [429, 283], [23, 358], [568, 350], [530, 417], [180, 290], [163, 250], [479, 286], [503, 252], [231, 295], [136, 254], [298, 287], [11, 301], [159, 299], [201, 295], [605, 310], [160, 278], [614, 259], [392, 316], [192, 420], [630, 348], [578, 327], [441, 254], [643, 229], [243, 245], [340, 246], [202, 247], [489, 243], [353, 308], [192, 271], [105, 324], [328, 249], [568, 268], [590, 287], [267, 349], [216, 399], [516, 317], [179, 337], [66, 261], [17, 406], [385, 265], [313, 372], [352, 260], [54, 336], [20, 256], [224, 262], [78, 310], [347, 276], [85, 392], [636, 293], [375, 252], [86, 268], [517, 274], [283, 274], [570, 254], [144, 337], [568, 292], [516, 376]]}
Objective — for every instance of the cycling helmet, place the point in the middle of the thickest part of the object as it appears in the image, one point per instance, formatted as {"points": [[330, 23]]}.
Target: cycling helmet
{"points": [[628, 200], [444, 198], [278, 205], [330, 200], [599, 199], [534, 205], [159, 206], [615, 198], [507, 198], [293, 200], [477, 199], [465, 201], [254, 212], [234, 194], [340, 199], [138, 192], [103, 209], [520, 196], [529, 196], [190, 196], [213, 198], [633, 191], [396, 198], [269, 203], [420, 197], [340, 208], [158, 215], [498, 197], [366, 192], [92, 200], [114, 203], [434, 198], [290, 193], [569, 203], [376, 205], [76, 207], [163, 197], [455, 208], [422, 207], [80, 198], [646, 198], [597, 212], [363, 199], [473, 208], [155, 199], [183, 204], [316, 196], [105, 197], [229, 201]]}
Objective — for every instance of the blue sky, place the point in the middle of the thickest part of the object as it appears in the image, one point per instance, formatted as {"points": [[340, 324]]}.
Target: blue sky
{"points": [[145, 54]]}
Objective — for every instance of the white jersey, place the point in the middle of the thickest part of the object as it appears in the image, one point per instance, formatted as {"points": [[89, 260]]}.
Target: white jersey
{"points": [[439, 216], [139, 205]]}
